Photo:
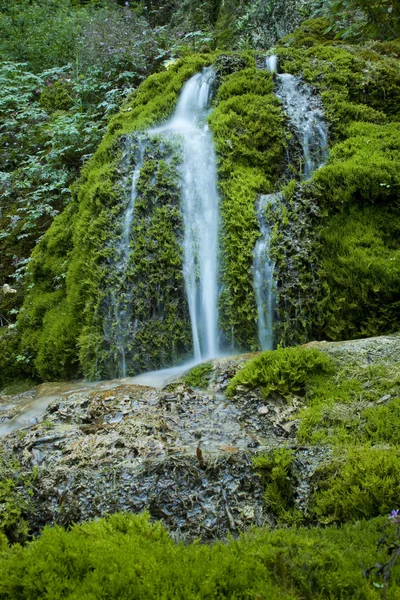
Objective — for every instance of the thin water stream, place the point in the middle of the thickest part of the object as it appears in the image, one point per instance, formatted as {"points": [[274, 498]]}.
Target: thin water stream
{"points": [[305, 112]]}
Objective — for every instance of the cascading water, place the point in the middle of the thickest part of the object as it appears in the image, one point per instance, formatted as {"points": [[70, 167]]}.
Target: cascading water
{"points": [[264, 283], [117, 325], [306, 115], [200, 213], [200, 205]]}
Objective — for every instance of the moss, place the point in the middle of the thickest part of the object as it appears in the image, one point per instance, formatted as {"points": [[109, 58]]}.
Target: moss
{"points": [[199, 376], [354, 405], [124, 556], [362, 483], [278, 478], [361, 273], [247, 124], [363, 168], [285, 371]]}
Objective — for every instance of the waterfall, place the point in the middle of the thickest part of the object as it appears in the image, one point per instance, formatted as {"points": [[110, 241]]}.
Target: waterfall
{"points": [[306, 115], [200, 206], [271, 62], [117, 325], [264, 283]]}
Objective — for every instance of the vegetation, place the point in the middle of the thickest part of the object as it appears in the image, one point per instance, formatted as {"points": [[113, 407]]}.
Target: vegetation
{"points": [[285, 371], [344, 222], [15, 500], [248, 127], [124, 556], [199, 376]]}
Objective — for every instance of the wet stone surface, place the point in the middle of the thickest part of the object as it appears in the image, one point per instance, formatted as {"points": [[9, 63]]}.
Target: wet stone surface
{"points": [[184, 455]]}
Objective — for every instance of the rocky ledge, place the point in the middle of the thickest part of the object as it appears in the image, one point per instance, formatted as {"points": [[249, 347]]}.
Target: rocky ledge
{"points": [[183, 454]]}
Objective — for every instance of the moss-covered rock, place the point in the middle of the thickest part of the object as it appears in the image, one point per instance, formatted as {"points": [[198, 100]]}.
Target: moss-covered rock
{"points": [[248, 127]]}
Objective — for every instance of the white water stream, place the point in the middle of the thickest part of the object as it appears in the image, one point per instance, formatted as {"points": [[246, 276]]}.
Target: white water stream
{"points": [[200, 205], [306, 115], [264, 282]]}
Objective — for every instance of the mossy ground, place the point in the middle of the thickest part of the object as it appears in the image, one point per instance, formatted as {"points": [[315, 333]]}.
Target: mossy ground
{"points": [[124, 556], [350, 406]]}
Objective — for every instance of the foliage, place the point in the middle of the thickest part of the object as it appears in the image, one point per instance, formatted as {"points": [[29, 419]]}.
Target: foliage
{"points": [[354, 405], [124, 556], [199, 376], [363, 18], [53, 120], [15, 493], [285, 371], [11, 369]]}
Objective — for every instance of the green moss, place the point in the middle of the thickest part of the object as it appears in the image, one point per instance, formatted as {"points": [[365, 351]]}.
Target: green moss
{"points": [[124, 556], [362, 483], [199, 376], [364, 167], [278, 478], [354, 405], [247, 124], [361, 273], [285, 371]]}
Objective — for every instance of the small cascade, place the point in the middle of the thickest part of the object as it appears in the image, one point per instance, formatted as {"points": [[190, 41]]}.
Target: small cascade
{"points": [[306, 116], [117, 326], [271, 63], [200, 205], [264, 283]]}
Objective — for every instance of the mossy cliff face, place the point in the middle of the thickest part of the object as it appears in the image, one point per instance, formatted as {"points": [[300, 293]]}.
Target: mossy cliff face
{"points": [[67, 317], [336, 238], [248, 126], [77, 292]]}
